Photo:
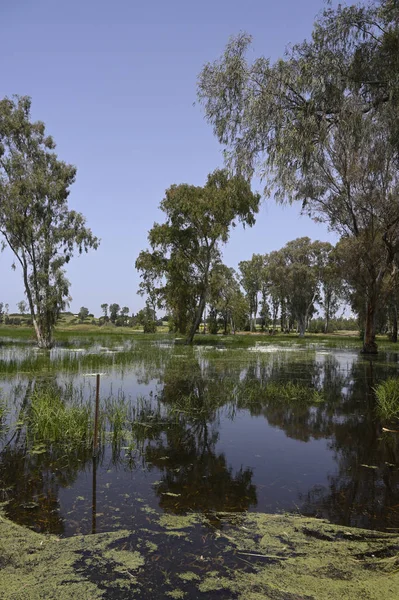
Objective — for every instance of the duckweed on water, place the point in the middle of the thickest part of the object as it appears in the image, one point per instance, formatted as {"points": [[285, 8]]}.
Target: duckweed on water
{"points": [[250, 557]]}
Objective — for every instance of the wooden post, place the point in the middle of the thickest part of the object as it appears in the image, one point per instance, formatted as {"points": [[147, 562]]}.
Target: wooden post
{"points": [[95, 439], [94, 497]]}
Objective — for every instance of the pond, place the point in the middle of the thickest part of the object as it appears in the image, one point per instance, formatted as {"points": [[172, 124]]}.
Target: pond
{"points": [[203, 429]]}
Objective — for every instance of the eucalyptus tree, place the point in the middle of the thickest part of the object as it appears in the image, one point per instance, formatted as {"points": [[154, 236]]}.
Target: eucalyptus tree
{"points": [[22, 307], [331, 282], [251, 281], [104, 308], [302, 264], [226, 298], [186, 248], [35, 220], [83, 314], [114, 312], [318, 125]]}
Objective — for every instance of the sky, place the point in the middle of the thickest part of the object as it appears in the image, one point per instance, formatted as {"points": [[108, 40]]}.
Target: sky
{"points": [[115, 84]]}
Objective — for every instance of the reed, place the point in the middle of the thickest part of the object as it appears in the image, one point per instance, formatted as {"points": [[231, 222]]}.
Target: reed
{"points": [[387, 395]]}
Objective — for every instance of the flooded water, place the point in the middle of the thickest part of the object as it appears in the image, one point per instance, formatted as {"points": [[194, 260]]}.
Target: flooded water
{"points": [[200, 433]]}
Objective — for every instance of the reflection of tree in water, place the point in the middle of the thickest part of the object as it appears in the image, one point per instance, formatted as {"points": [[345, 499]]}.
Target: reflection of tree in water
{"points": [[298, 420], [31, 476], [182, 440], [365, 491]]}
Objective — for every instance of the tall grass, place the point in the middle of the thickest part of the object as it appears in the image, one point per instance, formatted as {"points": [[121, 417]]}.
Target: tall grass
{"points": [[387, 394], [50, 420]]}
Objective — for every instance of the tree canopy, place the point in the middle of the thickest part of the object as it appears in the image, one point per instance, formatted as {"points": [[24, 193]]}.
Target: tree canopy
{"points": [[35, 221], [319, 127], [187, 246]]}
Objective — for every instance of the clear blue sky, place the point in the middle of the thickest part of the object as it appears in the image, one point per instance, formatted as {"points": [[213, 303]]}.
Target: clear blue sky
{"points": [[115, 83]]}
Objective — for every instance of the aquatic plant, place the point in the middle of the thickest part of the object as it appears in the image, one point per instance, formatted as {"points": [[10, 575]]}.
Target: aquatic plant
{"points": [[291, 391], [50, 420], [387, 394]]}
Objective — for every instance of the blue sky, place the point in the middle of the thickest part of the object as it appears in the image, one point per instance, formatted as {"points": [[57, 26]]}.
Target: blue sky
{"points": [[115, 83]]}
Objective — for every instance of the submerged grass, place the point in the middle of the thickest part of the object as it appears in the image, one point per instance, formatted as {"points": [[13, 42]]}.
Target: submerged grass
{"points": [[387, 394], [293, 392]]}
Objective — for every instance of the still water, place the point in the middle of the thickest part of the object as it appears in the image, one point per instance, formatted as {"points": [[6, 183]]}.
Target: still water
{"points": [[200, 434]]}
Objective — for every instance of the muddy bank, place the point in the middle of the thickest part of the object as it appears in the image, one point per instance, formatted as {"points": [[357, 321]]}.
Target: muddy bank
{"points": [[251, 557]]}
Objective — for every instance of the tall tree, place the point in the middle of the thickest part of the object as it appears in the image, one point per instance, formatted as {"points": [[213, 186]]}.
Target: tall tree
{"points": [[320, 131], [331, 283], [22, 307], [35, 221], [301, 265], [187, 246], [251, 281], [83, 314], [114, 312], [104, 308]]}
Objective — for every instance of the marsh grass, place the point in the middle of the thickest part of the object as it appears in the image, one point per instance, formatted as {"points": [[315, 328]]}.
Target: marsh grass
{"points": [[50, 420], [279, 391], [31, 361], [293, 392], [387, 394]]}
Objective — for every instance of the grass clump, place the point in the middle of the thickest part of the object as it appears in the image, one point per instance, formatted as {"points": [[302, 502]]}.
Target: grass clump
{"points": [[51, 420], [290, 391], [387, 394]]}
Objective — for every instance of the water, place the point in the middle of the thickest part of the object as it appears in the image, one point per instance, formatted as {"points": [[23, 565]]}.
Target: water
{"points": [[206, 438]]}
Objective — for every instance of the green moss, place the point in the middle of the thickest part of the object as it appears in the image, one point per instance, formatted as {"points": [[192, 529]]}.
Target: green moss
{"points": [[260, 557], [189, 576], [177, 594]]}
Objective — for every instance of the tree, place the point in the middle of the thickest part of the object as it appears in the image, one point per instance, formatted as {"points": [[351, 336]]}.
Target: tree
{"points": [[224, 298], [331, 284], [320, 131], [187, 246], [114, 312], [22, 307], [83, 314], [104, 308], [35, 221], [124, 314], [300, 260], [251, 273]]}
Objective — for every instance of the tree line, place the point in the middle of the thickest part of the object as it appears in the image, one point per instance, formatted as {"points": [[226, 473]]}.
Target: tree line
{"points": [[321, 127]]}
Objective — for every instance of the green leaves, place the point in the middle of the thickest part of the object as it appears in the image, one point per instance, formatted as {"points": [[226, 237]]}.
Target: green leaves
{"points": [[186, 247], [35, 220]]}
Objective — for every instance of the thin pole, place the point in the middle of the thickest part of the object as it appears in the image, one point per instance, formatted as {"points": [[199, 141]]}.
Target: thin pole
{"points": [[95, 440], [94, 496]]}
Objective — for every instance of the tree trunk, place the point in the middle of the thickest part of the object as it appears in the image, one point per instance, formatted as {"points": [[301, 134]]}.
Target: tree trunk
{"points": [[327, 322], [395, 324], [44, 335], [302, 325], [197, 320], [369, 343]]}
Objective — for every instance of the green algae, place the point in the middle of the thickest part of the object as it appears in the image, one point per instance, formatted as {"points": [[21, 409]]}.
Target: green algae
{"points": [[189, 576], [254, 557]]}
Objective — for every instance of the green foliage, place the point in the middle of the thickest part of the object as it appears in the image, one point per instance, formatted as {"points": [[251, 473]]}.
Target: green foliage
{"points": [[113, 312], [83, 314], [321, 127], [387, 394], [51, 420], [187, 246], [35, 221]]}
